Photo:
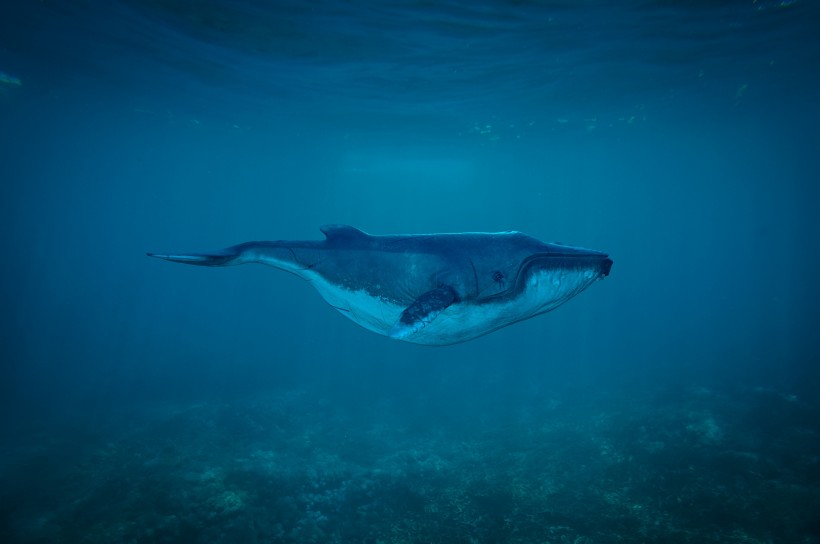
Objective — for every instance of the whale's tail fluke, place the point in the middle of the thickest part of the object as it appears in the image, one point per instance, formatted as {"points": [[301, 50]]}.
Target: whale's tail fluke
{"points": [[284, 255], [224, 257]]}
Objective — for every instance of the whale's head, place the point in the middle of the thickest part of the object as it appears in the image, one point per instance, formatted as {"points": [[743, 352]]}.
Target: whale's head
{"points": [[539, 276], [555, 273]]}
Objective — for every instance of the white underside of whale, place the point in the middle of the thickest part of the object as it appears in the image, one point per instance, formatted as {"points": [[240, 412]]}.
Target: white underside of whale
{"points": [[545, 290]]}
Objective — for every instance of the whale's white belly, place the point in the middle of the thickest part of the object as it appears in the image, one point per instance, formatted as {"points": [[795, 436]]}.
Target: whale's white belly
{"points": [[544, 291]]}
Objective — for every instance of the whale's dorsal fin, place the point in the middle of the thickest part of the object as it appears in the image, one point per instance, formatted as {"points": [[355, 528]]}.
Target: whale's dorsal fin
{"points": [[423, 311], [337, 232]]}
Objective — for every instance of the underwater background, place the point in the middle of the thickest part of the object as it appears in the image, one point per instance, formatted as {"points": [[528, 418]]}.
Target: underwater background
{"points": [[675, 401]]}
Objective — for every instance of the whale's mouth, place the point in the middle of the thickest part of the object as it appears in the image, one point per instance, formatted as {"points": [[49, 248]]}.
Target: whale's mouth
{"points": [[586, 260], [585, 265]]}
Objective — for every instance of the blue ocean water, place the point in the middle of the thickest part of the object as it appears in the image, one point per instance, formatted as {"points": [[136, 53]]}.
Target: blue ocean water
{"points": [[675, 401]]}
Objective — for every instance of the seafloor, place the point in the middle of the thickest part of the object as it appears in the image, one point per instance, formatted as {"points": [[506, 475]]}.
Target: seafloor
{"points": [[691, 466]]}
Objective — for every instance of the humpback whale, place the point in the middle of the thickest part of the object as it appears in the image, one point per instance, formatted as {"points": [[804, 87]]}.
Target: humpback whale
{"points": [[433, 289]]}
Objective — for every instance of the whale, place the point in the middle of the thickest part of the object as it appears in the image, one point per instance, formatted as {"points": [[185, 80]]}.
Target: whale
{"points": [[430, 289]]}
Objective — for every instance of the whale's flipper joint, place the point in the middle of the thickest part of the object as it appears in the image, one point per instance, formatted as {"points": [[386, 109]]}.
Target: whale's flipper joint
{"points": [[423, 311]]}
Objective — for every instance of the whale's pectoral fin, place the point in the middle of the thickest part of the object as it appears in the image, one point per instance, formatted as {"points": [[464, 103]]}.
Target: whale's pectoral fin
{"points": [[423, 311]]}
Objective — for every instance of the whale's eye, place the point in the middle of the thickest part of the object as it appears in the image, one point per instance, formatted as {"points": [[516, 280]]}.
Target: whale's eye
{"points": [[498, 276]]}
